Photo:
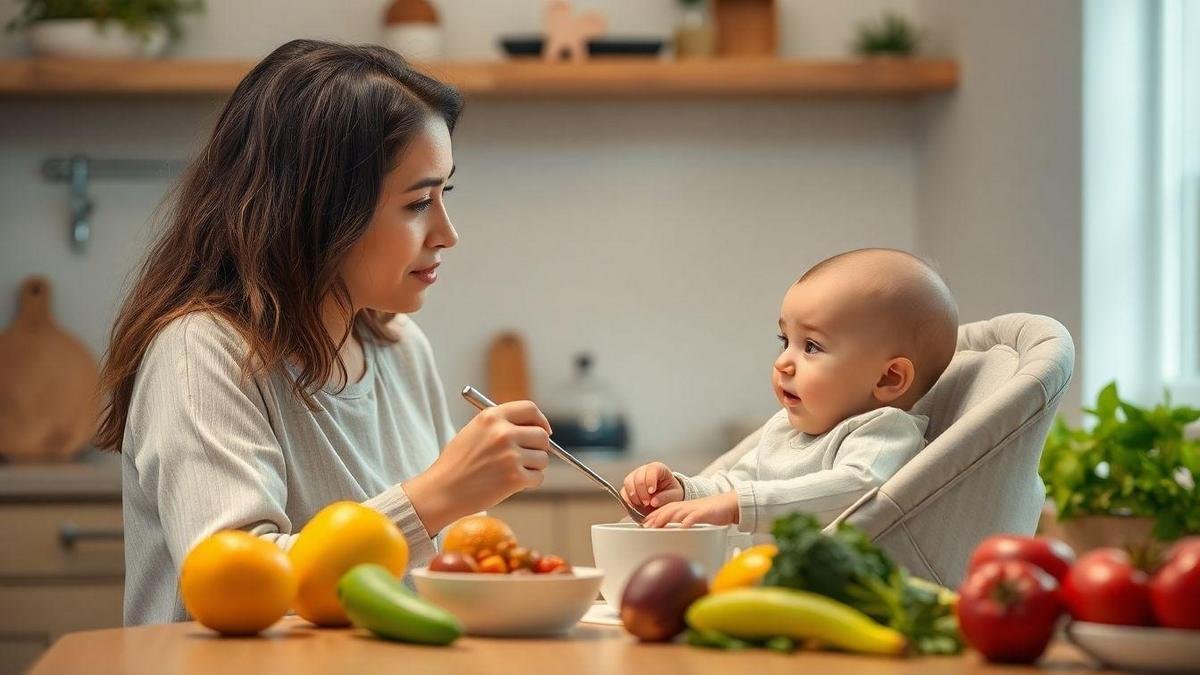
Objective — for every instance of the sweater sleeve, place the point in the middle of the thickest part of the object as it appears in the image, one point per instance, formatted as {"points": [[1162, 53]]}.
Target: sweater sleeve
{"points": [[866, 457], [206, 455]]}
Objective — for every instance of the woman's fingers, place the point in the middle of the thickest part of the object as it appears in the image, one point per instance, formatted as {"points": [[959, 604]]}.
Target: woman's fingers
{"points": [[535, 460], [524, 413], [533, 438], [533, 478]]}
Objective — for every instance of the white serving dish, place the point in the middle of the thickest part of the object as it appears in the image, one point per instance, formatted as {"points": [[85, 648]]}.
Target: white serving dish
{"points": [[523, 605], [87, 39], [620, 548], [1138, 648]]}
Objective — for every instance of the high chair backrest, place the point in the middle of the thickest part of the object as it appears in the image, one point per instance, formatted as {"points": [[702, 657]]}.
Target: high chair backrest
{"points": [[989, 414]]}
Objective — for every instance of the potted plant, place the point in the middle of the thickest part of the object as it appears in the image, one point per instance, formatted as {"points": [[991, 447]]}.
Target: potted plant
{"points": [[891, 35], [102, 28], [1127, 481]]}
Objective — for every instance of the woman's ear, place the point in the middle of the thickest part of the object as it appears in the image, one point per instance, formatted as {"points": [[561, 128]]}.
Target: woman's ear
{"points": [[895, 381]]}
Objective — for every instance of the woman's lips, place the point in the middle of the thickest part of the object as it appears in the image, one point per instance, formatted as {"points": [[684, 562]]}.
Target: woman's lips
{"points": [[427, 275]]}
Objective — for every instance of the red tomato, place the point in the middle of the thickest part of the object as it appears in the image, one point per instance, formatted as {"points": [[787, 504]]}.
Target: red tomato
{"points": [[1105, 587], [1048, 553], [1007, 610], [1175, 587]]}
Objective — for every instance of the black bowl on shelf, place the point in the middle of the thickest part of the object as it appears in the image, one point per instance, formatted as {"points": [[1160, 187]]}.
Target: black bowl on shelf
{"points": [[531, 45]]}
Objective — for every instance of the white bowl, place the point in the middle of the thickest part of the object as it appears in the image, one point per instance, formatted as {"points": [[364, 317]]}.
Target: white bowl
{"points": [[620, 548], [1138, 647], [86, 39], [523, 605]]}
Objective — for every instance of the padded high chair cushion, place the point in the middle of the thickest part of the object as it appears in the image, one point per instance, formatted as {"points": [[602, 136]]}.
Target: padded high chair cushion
{"points": [[989, 414]]}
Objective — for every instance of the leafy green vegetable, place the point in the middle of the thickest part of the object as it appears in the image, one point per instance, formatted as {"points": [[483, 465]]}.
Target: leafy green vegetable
{"points": [[1134, 461], [849, 568]]}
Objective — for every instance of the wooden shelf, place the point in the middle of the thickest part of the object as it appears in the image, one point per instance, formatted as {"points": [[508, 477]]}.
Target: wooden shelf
{"points": [[626, 77]]}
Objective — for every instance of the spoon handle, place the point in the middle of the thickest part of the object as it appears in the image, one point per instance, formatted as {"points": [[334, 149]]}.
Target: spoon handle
{"points": [[477, 399]]}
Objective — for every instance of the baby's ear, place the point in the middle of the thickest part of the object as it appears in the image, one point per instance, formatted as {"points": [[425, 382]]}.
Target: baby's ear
{"points": [[896, 380]]}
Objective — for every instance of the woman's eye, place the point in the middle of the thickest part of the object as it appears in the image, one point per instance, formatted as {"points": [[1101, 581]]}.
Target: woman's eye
{"points": [[783, 340], [811, 347], [418, 207]]}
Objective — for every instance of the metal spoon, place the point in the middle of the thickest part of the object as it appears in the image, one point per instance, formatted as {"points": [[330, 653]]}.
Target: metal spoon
{"points": [[477, 399]]}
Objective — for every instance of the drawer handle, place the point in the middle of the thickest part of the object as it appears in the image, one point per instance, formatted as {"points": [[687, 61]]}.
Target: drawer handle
{"points": [[70, 534]]}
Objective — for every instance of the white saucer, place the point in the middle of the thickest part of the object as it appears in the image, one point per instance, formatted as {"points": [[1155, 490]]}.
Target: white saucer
{"points": [[602, 615]]}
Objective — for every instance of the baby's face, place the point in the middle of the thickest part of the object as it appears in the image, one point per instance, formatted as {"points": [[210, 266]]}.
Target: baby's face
{"points": [[834, 352]]}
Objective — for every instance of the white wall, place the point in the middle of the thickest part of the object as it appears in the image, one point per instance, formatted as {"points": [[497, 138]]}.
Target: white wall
{"points": [[1000, 162], [659, 234]]}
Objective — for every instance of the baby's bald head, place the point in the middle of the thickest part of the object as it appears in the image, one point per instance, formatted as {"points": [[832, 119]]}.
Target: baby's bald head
{"points": [[904, 300]]}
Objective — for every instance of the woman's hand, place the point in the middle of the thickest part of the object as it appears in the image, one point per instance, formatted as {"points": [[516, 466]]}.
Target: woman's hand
{"points": [[651, 485], [503, 450]]}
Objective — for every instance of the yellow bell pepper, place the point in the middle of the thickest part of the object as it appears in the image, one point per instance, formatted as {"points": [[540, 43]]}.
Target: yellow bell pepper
{"points": [[745, 569]]}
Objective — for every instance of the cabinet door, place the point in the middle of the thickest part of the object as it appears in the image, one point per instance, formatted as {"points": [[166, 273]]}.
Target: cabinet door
{"points": [[18, 652], [580, 513], [57, 541], [533, 520]]}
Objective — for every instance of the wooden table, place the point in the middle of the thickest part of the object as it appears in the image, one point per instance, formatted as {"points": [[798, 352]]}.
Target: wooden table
{"points": [[296, 648]]}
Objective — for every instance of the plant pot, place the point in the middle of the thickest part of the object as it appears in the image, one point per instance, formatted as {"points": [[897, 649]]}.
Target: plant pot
{"points": [[88, 39]]}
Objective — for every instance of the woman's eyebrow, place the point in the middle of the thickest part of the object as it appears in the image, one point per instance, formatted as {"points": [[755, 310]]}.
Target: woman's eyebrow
{"points": [[432, 181]]}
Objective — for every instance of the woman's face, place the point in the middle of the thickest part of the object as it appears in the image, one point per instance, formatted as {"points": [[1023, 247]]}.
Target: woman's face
{"points": [[396, 259]]}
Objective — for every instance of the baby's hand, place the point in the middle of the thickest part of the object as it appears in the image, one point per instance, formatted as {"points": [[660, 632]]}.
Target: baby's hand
{"points": [[651, 485], [719, 509]]}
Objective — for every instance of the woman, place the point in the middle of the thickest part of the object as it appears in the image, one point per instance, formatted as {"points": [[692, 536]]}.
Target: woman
{"points": [[262, 366]]}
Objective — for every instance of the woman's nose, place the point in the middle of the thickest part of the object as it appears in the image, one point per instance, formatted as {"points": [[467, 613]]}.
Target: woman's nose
{"points": [[443, 234]]}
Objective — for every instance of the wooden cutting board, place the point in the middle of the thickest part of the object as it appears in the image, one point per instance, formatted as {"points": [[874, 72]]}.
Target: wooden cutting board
{"points": [[508, 371], [48, 384]]}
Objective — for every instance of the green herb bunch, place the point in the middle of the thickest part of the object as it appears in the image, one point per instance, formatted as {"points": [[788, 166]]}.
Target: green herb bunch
{"points": [[138, 17], [846, 566], [1133, 462], [891, 34]]}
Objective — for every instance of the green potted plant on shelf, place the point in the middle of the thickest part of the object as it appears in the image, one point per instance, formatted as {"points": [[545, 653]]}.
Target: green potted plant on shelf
{"points": [[1128, 480], [891, 35], [102, 28]]}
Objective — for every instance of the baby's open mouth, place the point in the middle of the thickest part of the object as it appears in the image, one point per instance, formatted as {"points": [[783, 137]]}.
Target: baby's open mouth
{"points": [[788, 397]]}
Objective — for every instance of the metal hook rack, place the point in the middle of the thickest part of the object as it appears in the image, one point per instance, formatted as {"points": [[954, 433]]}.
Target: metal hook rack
{"points": [[79, 170]]}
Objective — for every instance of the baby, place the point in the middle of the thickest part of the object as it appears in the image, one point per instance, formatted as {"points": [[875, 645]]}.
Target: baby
{"points": [[865, 334]]}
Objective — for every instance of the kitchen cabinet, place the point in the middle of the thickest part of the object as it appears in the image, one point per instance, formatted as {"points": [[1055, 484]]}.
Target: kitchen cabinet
{"points": [[62, 570], [62, 564]]}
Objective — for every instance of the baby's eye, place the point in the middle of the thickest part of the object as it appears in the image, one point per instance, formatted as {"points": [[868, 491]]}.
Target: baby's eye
{"points": [[783, 340], [811, 347]]}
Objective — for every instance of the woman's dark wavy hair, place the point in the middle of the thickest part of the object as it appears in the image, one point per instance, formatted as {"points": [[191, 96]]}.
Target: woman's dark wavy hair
{"points": [[261, 221]]}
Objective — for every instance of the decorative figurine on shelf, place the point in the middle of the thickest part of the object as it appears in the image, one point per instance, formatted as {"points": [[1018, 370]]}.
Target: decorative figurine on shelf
{"points": [[412, 29], [567, 34]]}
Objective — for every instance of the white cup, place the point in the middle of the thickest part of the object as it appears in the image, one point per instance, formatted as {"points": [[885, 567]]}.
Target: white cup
{"points": [[620, 548]]}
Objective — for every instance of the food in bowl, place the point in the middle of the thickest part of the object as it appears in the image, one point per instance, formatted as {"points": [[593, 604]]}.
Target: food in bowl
{"points": [[487, 545], [511, 605]]}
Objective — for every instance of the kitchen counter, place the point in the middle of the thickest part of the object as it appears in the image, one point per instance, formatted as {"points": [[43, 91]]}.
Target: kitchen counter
{"points": [[95, 477], [296, 648]]}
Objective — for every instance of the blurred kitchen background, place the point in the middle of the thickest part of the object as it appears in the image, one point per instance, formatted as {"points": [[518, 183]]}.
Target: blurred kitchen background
{"points": [[656, 230]]}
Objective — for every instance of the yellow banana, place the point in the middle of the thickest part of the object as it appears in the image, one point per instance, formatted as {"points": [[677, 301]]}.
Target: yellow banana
{"points": [[760, 613]]}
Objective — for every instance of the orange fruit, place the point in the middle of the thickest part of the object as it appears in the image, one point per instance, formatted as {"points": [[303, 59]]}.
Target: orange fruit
{"points": [[340, 536], [476, 535], [237, 584]]}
